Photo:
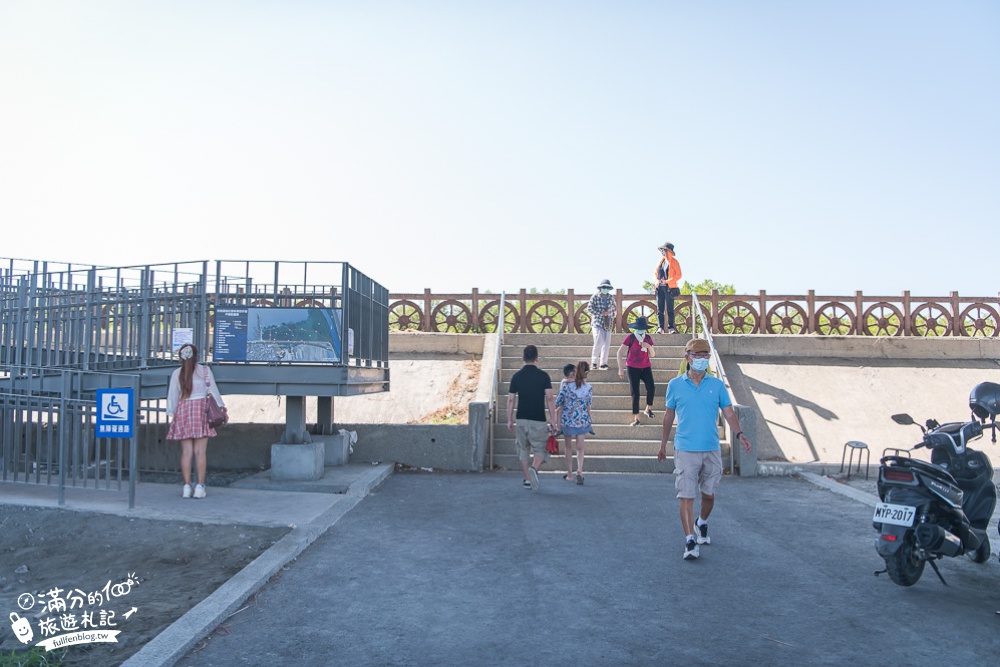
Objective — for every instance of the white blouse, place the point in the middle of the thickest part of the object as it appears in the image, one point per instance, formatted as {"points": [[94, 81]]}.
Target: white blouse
{"points": [[199, 388]]}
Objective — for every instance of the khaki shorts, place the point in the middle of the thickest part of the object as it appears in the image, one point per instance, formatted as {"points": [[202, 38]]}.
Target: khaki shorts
{"points": [[531, 438], [697, 469]]}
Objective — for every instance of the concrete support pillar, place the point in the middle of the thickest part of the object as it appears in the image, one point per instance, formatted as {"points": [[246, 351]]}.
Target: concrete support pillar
{"points": [[324, 415], [479, 424], [746, 463], [295, 421]]}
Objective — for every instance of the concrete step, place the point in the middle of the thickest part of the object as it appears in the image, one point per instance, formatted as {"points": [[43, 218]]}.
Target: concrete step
{"points": [[545, 340], [618, 388], [583, 352], [554, 467], [554, 368], [597, 445], [661, 373], [617, 400]]}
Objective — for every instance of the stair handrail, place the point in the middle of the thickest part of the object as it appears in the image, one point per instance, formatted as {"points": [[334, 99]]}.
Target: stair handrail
{"points": [[501, 320], [718, 363], [708, 337]]}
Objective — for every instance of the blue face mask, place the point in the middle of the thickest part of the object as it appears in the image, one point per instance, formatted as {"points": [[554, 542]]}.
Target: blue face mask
{"points": [[699, 365]]}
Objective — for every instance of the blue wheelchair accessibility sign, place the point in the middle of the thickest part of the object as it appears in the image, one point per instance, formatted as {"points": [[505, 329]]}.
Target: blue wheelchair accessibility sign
{"points": [[115, 413]]}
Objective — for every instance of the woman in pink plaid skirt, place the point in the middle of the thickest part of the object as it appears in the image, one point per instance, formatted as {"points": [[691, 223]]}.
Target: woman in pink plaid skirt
{"points": [[189, 388]]}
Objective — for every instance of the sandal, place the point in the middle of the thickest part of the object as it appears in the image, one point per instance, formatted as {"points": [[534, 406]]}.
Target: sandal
{"points": [[568, 478], [635, 422], [579, 479]]}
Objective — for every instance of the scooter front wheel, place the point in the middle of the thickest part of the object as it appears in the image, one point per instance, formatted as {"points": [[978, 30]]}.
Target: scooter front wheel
{"points": [[905, 564]]}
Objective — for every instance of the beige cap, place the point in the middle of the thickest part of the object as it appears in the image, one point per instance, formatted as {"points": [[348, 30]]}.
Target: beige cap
{"points": [[697, 345]]}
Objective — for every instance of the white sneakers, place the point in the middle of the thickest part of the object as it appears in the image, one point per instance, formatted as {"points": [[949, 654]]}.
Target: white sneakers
{"points": [[199, 491], [701, 532], [691, 550]]}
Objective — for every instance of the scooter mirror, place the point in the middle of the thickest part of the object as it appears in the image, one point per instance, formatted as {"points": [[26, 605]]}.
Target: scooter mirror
{"points": [[903, 419]]}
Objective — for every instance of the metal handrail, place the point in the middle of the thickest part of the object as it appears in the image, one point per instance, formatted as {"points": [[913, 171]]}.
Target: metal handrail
{"points": [[718, 364], [501, 318], [708, 337]]}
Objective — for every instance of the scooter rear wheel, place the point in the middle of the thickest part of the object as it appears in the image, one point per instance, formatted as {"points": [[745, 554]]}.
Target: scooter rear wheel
{"points": [[982, 554], [905, 565]]}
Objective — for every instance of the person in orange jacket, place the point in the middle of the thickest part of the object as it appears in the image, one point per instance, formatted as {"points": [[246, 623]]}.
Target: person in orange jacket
{"points": [[668, 276]]}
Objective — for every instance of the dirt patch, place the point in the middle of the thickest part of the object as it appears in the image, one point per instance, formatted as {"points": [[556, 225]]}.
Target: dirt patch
{"points": [[461, 390], [160, 568]]}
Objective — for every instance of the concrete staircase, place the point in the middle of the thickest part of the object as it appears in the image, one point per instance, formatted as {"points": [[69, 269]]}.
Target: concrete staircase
{"points": [[616, 447]]}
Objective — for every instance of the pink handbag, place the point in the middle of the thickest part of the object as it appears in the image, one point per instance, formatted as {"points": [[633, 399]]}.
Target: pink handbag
{"points": [[217, 415]]}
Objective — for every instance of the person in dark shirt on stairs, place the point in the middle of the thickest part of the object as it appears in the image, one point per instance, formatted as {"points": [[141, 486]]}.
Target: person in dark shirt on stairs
{"points": [[531, 392]]}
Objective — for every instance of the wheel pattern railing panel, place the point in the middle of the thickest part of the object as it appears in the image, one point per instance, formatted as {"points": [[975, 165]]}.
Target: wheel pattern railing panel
{"points": [[738, 317], [882, 319], [979, 320], [759, 314], [834, 319], [786, 317]]}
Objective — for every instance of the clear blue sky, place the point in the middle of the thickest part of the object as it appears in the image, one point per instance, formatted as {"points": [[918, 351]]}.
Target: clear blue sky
{"points": [[780, 145]]}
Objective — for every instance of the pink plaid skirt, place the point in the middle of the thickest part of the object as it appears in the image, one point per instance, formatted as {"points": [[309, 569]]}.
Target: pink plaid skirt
{"points": [[190, 422]]}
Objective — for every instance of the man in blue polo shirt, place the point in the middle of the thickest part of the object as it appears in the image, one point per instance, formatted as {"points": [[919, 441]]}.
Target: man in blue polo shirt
{"points": [[696, 399]]}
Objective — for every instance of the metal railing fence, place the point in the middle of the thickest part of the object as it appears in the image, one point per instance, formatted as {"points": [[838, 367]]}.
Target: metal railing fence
{"points": [[102, 318], [48, 435]]}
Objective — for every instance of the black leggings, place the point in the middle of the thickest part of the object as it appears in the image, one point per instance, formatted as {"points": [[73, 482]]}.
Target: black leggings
{"points": [[663, 297], [646, 376]]}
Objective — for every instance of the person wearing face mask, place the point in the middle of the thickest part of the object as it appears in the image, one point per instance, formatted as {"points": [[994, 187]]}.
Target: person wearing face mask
{"points": [[696, 398], [668, 275], [602, 312]]}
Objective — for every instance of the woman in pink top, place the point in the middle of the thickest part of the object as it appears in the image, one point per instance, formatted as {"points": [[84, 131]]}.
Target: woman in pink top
{"points": [[189, 388], [638, 345]]}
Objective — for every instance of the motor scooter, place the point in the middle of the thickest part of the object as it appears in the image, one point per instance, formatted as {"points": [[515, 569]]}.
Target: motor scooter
{"points": [[930, 511]]}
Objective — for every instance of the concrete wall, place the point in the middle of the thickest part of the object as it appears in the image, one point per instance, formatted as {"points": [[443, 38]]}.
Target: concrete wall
{"points": [[812, 394], [858, 347], [437, 343], [446, 447]]}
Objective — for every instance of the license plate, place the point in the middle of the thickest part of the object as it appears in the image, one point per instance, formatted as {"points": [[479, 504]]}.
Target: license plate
{"points": [[897, 515]]}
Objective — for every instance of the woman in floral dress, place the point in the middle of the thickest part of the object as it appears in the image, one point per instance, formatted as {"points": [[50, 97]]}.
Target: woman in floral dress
{"points": [[573, 405]]}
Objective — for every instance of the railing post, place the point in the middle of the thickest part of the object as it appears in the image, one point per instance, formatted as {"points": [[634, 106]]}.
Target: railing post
{"points": [[762, 303], [427, 309], [716, 322], [475, 309], [859, 308], [908, 322], [523, 305], [811, 325], [571, 325], [619, 315], [955, 313]]}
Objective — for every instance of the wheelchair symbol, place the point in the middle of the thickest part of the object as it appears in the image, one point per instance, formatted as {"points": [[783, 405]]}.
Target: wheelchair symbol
{"points": [[113, 409]]}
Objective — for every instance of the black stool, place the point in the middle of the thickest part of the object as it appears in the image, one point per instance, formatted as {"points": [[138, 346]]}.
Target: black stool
{"points": [[859, 447]]}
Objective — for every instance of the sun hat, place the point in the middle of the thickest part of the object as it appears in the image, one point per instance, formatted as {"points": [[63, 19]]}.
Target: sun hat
{"points": [[697, 345], [605, 283], [640, 324], [667, 246]]}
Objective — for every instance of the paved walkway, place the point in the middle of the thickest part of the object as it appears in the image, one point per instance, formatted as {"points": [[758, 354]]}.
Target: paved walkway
{"points": [[466, 569], [460, 569]]}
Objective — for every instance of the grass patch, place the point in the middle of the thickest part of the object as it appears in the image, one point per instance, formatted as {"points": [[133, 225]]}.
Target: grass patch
{"points": [[35, 657]]}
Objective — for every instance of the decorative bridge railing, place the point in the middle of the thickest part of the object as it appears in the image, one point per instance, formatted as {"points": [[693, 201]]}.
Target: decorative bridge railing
{"points": [[858, 315]]}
